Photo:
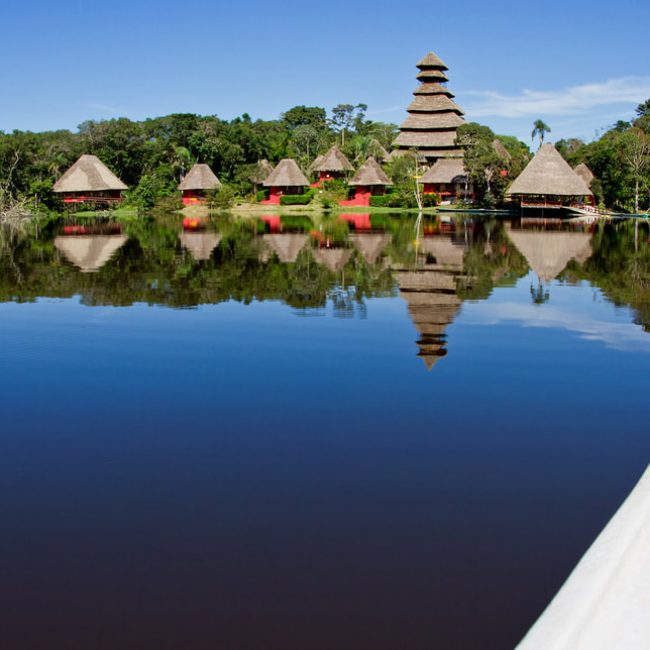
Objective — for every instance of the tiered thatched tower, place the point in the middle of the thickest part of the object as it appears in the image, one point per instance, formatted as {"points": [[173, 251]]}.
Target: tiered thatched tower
{"points": [[433, 115]]}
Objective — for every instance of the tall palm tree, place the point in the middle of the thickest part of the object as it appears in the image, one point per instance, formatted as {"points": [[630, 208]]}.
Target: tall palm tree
{"points": [[540, 128]]}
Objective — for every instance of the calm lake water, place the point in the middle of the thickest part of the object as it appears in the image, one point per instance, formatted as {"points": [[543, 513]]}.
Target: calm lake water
{"points": [[362, 433]]}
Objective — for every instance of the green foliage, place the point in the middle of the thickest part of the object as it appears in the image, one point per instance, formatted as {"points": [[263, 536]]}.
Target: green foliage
{"points": [[222, 198], [380, 201], [297, 199], [262, 195], [152, 187]]}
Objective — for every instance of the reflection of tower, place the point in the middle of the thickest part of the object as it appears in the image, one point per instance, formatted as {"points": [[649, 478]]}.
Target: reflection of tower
{"points": [[430, 293], [286, 246], [89, 252]]}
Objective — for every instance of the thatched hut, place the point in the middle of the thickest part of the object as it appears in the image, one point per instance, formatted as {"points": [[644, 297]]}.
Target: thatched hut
{"points": [[199, 180], [333, 164], [200, 244], [433, 117], [500, 150], [286, 178], [549, 252], [585, 173], [370, 180], [448, 178], [548, 182], [89, 181], [89, 252]]}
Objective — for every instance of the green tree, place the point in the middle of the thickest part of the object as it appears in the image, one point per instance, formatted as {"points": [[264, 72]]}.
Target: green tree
{"points": [[540, 129]]}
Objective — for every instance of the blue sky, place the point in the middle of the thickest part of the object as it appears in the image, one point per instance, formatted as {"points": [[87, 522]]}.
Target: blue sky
{"points": [[578, 65]]}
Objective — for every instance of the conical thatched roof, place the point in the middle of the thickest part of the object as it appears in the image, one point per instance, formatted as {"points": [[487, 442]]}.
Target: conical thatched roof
{"points": [[370, 244], [548, 174], [432, 76], [428, 140], [317, 161], [431, 60], [585, 173], [286, 174], [446, 170], [428, 121], [200, 244], [88, 174], [261, 170], [370, 173], [89, 252], [200, 177], [286, 245], [549, 252], [333, 161], [333, 258], [500, 149], [434, 104], [432, 89], [380, 154]]}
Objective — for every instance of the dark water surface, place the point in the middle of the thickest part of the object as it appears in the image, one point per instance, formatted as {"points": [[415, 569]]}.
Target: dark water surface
{"points": [[249, 440]]}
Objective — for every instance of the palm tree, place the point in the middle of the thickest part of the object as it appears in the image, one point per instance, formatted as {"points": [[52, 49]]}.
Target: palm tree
{"points": [[539, 129]]}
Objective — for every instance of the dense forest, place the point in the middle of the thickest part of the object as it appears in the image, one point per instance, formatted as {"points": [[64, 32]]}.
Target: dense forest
{"points": [[151, 156]]}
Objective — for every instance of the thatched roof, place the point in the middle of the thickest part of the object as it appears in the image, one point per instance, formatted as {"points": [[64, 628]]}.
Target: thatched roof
{"points": [[286, 174], [200, 244], [200, 177], [432, 75], [333, 161], [548, 174], [428, 122], [316, 162], [500, 149], [431, 60], [88, 174], [549, 252], [380, 152], [333, 258], [432, 89], [89, 252], [370, 173], [427, 139], [448, 170], [370, 244], [446, 252], [286, 245], [585, 173], [433, 104]]}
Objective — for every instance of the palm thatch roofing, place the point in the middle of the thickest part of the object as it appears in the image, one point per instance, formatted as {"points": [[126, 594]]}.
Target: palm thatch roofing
{"points": [[426, 153], [89, 252], [200, 177], [286, 174], [380, 152], [585, 173], [548, 174], [433, 104], [88, 174], [427, 122], [317, 161], [549, 252], [447, 170], [428, 140], [500, 149], [334, 259], [370, 244], [432, 75], [200, 244], [261, 170], [369, 174], [286, 246], [431, 60], [432, 89], [333, 161]]}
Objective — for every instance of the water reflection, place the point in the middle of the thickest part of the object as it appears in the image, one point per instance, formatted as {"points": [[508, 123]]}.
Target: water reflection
{"points": [[89, 252]]}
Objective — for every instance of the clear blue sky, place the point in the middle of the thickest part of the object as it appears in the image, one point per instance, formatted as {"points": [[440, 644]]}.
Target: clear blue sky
{"points": [[578, 65]]}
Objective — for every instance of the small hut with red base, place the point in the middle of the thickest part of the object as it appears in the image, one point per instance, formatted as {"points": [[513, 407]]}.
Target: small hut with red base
{"points": [[286, 178], [198, 181], [370, 180], [89, 181], [448, 178], [334, 164]]}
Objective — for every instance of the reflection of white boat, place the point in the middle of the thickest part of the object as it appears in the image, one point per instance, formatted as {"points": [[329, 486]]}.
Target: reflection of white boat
{"points": [[89, 252], [200, 244]]}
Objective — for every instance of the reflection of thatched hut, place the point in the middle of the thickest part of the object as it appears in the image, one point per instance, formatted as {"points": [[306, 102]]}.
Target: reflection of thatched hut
{"points": [[89, 252], [370, 244], [334, 259], [447, 177], [370, 180], [286, 246], [286, 178], [446, 252], [548, 180], [199, 180], [200, 244], [585, 173], [433, 117], [549, 252], [333, 164], [89, 180]]}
